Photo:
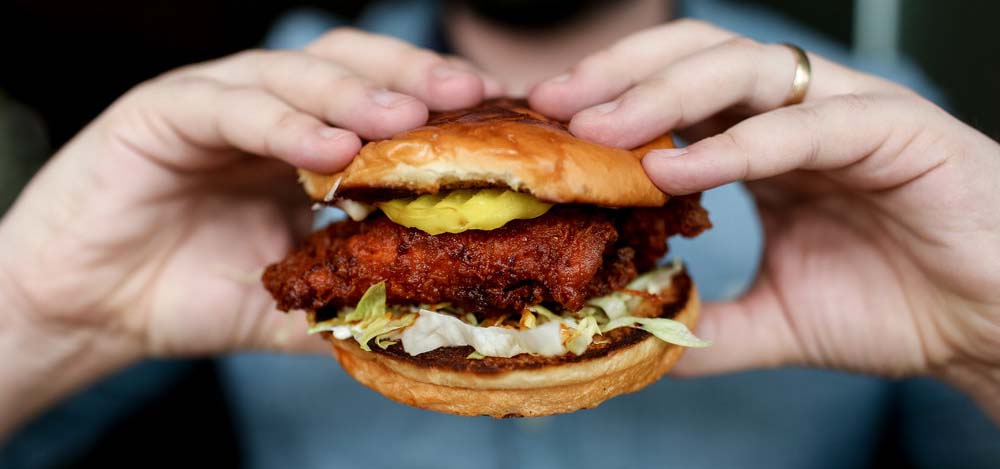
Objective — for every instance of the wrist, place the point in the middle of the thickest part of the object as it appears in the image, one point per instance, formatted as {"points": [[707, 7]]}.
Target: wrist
{"points": [[44, 363]]}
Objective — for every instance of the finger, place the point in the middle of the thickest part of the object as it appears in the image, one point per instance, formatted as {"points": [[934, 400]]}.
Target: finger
{"points": [[492, 87], [749, 333], [300, 217], [786, 190], [204, 114], [736, 73], [285, 332], [606, 74], [855, 137], [711, 126], [395, 64], [322, 88], [753, 331]]}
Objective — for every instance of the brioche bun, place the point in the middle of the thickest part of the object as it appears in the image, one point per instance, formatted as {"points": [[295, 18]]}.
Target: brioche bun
{"points": [[500, 143], [444, 380]]}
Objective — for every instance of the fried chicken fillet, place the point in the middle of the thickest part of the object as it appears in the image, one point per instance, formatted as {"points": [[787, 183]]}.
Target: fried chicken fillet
{"points": [[563, 258], [495, 264]]}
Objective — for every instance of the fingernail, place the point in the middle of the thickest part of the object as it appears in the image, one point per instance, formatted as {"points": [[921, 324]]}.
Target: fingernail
{"points": [[561, 78], [388, 99], [331, 133], [444, 72], [668, 152], [606, 108]]}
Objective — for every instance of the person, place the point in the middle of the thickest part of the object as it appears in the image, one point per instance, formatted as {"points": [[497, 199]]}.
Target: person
{"points": [[878, 207]]}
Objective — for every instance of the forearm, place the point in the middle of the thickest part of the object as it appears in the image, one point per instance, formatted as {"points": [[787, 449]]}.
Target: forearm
{"points": [[43, 363]]}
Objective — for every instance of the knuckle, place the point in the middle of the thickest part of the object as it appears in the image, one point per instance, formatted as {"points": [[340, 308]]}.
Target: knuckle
{"points": [[695, 29], [334, 36], [345, 88], [913, 99], [305, 67], [810, 118], [597, 62], [251, 55], [856, 102], [287, 120], [690, 24], [658, 84], [415, 58], [733, 139], [241, 93], [807, 114], [658, 89], [743, 43], [171, 87]]}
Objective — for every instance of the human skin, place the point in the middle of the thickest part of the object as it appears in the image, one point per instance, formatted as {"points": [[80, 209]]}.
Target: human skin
{"points": [[141, 237], [881, 212], [146, 234]]}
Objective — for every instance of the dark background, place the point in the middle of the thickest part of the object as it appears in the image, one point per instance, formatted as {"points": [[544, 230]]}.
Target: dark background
{"points": [[64, 61], [69, 59]]}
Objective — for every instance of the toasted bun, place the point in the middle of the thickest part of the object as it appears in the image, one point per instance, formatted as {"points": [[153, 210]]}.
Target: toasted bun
{"points": [[500, 143], [522, 386]]}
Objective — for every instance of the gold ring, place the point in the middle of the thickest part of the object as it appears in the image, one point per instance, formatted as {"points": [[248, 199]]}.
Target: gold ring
{"points": [[803, 75]]}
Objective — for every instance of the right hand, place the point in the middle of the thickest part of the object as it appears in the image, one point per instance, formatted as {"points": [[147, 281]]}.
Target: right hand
{"points": [[881, 212], [119, 247]]}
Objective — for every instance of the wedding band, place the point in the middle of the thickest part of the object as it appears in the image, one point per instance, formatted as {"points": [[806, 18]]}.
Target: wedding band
{"points": [[803, 75]]}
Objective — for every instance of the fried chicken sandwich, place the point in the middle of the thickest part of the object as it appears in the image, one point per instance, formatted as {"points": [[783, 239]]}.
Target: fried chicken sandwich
{"points": [[494, 264]]}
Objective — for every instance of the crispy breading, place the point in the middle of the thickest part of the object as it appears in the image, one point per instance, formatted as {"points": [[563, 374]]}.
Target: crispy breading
{"points": [[564, 257]]}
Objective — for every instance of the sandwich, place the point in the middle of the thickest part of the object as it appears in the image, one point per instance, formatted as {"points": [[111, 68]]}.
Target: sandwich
{"points": [[491, 263]]}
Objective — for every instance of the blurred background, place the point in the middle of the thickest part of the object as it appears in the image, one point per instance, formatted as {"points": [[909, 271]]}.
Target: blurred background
{"points": [[64, 61]]}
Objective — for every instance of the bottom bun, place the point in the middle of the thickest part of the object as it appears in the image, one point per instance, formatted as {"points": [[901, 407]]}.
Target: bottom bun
{"points": [[624, 360]]}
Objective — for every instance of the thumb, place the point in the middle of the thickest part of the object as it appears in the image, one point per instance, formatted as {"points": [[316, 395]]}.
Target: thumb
{"points": [[752, 332], [286, 333]]}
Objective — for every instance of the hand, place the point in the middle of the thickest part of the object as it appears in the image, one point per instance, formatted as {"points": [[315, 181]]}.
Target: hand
{"points": [[880, 211], [146, 234]]}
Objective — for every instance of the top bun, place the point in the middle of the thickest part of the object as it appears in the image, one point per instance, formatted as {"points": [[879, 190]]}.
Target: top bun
{"points": [[500, 143]]}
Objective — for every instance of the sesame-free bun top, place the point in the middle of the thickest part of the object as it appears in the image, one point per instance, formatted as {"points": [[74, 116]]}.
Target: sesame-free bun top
{"points": [[500, 143]]}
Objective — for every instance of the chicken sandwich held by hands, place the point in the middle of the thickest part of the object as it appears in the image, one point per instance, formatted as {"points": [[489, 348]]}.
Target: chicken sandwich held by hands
{"points": [[494, 264]]}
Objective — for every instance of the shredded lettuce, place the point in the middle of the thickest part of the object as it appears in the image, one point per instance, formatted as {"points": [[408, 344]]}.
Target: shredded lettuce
{"points": [[544, 312], [658, 279], [335, 325], [380, 328], [667, 330], [369, 320], [435, 330], [583, 335], [614, 305], [371, 303], [540, 331], [528, 320]]}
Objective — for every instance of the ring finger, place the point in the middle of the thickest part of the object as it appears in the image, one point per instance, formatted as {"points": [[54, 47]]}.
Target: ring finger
{"points": [[736, 73]]}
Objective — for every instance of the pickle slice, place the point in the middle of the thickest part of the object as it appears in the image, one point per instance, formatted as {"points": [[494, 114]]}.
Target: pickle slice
{"points": [[462, 210]]}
